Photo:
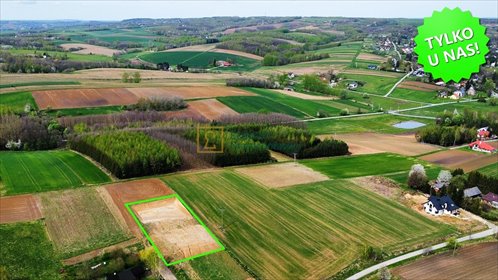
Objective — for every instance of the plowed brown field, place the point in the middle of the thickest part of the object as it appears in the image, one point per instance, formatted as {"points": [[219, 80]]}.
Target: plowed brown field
{"points": [[466, 160], [211, 109], [121, 193], [19, 208], [419, 86], [81, 98], [173, 229], [477, 262]]}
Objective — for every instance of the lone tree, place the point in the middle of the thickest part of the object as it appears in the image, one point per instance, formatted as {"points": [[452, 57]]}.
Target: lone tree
{"points": [[149, 257], [136, 77], [125, 77], [417, 178], [384, 274]]}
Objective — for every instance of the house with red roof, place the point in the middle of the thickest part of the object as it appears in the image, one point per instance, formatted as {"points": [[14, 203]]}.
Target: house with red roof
{"points": [[482, 146], [492, 199], [483, 133]]}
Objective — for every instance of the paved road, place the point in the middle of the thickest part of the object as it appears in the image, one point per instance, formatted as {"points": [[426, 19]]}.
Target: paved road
{"points": [[396, 84], [493, 229]]}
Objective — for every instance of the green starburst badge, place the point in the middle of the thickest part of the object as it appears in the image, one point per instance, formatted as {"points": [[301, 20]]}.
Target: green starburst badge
{"points": [[451, 45]]}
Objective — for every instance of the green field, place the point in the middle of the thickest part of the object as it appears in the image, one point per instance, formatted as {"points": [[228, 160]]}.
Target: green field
{"points": [[26, 252], [361, 165], [417, 95], [220, 266], [251, 104], [202, 60], [70, 56], [85, 111], [79, 221], [26, 172], [459, 107], [17, 100], [39, 83], [372, 84], [385, 103], [490, 170], [311, 231], [379, 123]]}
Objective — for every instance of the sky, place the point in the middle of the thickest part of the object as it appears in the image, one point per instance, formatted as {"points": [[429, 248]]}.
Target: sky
{"points": [[119, 9]]}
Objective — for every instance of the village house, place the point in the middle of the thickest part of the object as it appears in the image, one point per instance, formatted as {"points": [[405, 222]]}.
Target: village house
{"points": [[491, 199], [352, 85], [441, 206], [472, 192], [483, 133], [482, 146], [222, 63]]}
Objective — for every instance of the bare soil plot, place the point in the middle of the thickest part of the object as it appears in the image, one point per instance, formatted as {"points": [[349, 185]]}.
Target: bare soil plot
{"points": [[121, 193], [478, 262], [90, 49], [282, 175], [419, 86], [304, 95], [371, 143], [80, 98], [211, 109], [173, 229], [189, 92], [466, 160], [19, 208], [371, 57], [79, 220]]}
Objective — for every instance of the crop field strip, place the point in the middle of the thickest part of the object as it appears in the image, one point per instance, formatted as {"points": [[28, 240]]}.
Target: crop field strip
{"points": [[325, 224], [24, 172], [79, 221]]}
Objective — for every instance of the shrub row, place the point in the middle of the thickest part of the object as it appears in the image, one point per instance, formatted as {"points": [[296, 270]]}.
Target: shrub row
{"points": [[128, 154], [158, 104], [446, 135]]}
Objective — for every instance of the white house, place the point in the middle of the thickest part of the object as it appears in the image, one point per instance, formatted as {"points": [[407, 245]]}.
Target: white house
{"points": [[441, 206]]}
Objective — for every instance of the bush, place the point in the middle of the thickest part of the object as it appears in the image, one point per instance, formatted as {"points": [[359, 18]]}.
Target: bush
{"points": [[326, 148], [128, 154]]}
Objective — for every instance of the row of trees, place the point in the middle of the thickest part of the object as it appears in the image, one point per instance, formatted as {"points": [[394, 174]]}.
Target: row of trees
{"points": [[237, 149], [128, 154], [290, 140], [446, 135], [284, 58], [249, 82], [158, 104]]}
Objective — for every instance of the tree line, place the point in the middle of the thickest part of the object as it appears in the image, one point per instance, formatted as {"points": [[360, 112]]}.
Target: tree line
{"points": [[128, 154]]}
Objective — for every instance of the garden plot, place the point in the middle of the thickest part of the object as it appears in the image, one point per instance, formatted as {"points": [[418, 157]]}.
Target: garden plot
{"points": [[120, 193], [173, 230], [419, 86], [371, 143], [282, 175], [371, 57], [19, 208], [466, 160]]}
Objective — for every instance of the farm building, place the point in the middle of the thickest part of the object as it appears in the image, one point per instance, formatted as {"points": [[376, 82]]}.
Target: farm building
{"points": [[472, 192], [352, 85], [481, 146], [441, 205], [492, 199]]}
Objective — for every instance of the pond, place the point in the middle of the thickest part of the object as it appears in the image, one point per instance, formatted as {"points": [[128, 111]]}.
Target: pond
{"points": [[409, 125]]}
